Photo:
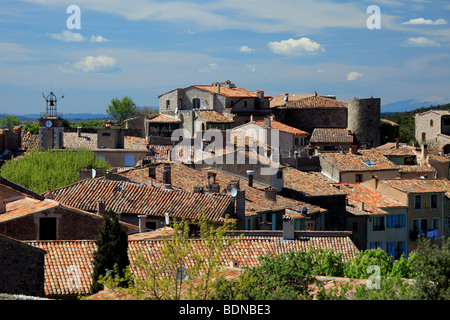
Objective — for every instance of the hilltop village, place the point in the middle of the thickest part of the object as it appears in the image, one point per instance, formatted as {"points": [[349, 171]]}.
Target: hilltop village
{"points": [[293, 171]]}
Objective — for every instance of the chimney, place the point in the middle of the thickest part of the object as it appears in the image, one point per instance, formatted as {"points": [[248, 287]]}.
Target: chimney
{"points": [[167, 176], [234, 263], [361, 206], [152, 171], [78, 132], [288, 228], [142, 223], [198, 189], [267, 121], [424, 154], [354, 149], [240, 209], [397, 143], [214, 188], [3, 202], [260, 94], [217, 87], [271, 193], [108, 175], [101, 206], [250, 174], [98, 171]]}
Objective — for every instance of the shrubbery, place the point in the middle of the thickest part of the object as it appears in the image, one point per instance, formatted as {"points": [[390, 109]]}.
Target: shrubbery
{"points": [[41, 171]]}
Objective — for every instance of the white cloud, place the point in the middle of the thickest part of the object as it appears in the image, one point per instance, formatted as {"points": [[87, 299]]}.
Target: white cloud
{"points": [[211, 67], [421, 42], [246, 49], [354, 76], [98, 39], [68, 36], [295, 47], [420, 21], [91, 64], [252, 67]]}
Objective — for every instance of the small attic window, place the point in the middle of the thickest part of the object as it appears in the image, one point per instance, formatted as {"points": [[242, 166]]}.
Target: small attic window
{"points": [[431, 123], [369, 162]]}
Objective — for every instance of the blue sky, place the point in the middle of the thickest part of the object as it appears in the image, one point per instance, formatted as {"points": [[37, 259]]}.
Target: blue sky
{"points": [[143, 48]]}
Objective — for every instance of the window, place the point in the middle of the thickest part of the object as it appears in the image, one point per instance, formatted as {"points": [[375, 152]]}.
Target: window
{"points": [[167, 103], [431, 123], [420, 224], [279, 174], [129, 160], [245, 104], [47, 228], [196, 103], [417, 202], [434, 201], [396, 221], [369, 162], [378, 224], [180, 103], [106, 134], [424, 136], [376, 245], [358, 177]]}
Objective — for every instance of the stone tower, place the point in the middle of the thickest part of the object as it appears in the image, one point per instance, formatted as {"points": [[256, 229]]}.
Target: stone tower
{"points": [[51, 126], [364, 121]]}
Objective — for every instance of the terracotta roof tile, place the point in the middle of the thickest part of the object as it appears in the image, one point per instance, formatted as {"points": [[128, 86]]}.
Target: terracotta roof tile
{"points": [[418, 185], [186, 178], [283, 127], [163, 118], [364, 160], [331, 135], [213, 116], [234, 92], [374, 202], [134, 198], [68, 264], [312, 184], [316, 102]]}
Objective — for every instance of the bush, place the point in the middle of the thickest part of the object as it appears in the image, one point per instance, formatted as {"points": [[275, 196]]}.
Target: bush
{"points": [[41, 171]]}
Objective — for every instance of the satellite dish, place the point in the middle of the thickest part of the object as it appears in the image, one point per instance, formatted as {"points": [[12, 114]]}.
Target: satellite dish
{"points": [[181, 273], [233, 192], [166, 217], [94, 173]]}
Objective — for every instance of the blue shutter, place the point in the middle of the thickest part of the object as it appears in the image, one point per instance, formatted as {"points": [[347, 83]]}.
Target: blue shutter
{"points": [[129, 160], [371, 245], [404, 247], [381, 245], [404, 220]]}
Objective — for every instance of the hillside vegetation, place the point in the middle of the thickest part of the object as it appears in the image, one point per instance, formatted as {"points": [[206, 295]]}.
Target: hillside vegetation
{"points": [[406, 121]]}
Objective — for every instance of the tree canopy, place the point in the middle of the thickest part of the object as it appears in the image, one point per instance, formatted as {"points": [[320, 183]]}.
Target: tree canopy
{"points": [[121, 110]]}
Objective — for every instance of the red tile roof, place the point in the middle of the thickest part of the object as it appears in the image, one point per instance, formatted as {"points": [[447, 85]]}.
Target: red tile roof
{"points": [[234, 92], [374, 202], [316, 102], [356, 162], [279, 100], [283, 127], [403, 150], [312, 184], [213, 116], [418, 185], [187, 178], [133, 198], [331, 135], [68, 264], [163, 118]]}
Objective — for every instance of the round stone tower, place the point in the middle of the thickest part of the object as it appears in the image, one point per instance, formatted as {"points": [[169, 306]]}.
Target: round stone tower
{"points": [[364, 121]]}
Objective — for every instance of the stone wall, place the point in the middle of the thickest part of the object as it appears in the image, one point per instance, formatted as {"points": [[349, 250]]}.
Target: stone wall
{"points": [[22, 268], [364, 121]]}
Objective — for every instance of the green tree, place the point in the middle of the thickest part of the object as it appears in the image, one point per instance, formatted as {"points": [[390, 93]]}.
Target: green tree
{"points": [[186, 268], [9, 122], [360, 266], [32, 128], [432, 266], [121, 109], [281, 277], [327, 263], [111, 254]]}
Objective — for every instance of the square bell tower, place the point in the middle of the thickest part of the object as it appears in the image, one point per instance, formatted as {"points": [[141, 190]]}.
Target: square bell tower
{"points": [[51, 125]]}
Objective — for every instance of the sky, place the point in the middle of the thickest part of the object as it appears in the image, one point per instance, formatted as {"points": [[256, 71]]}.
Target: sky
{"points": [[390, 49]]}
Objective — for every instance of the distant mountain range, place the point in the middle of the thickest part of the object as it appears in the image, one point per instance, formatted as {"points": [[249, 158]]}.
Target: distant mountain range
{"points": [[67, 116], [404, 105]]}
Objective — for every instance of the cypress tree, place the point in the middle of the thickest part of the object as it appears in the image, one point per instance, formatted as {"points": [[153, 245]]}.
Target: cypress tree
{"points": [[112, 249]]}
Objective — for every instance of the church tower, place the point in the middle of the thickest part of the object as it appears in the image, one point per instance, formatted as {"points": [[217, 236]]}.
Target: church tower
{"points": [[51, 125]]}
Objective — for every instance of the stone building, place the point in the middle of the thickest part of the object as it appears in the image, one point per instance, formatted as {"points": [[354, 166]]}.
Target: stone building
{"points": [[227, 100], [433, 128], [21, 268]]}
